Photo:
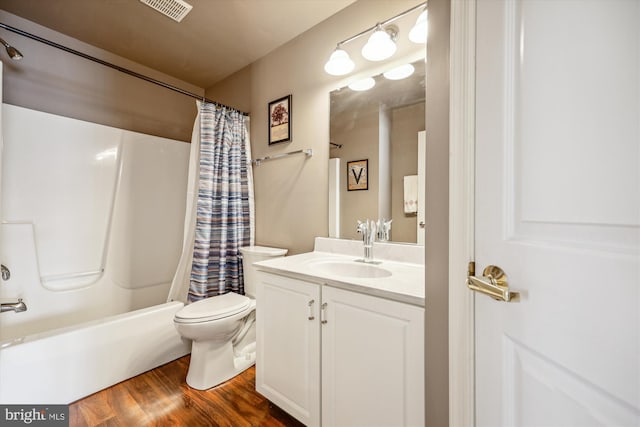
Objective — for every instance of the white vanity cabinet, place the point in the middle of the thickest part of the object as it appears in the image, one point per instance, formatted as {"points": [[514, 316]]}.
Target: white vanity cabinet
{"points": [[346, 359], [372, 361], [288, 345]]}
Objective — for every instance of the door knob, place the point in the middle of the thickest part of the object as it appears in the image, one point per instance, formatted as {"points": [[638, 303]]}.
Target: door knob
{"points": [[493, 283]]}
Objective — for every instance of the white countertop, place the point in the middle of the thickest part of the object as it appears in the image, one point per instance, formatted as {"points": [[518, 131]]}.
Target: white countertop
{"points": [[405, 284]]}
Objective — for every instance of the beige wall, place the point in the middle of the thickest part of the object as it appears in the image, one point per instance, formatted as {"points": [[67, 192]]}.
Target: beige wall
{"points": [[235, 90], [291, 194], [437, 216], [358, 135], [359, 139], [406, 122], [51, 80]]}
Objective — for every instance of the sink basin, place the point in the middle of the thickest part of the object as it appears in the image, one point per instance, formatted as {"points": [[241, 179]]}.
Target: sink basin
{"points": [[351, 269]]}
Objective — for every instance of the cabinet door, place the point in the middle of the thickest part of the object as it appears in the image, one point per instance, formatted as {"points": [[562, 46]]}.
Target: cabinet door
{"points": [[288, 345], [372, 361]]}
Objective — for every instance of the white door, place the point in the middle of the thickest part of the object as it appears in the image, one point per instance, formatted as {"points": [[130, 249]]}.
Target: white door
{"points": [[557, 208]]}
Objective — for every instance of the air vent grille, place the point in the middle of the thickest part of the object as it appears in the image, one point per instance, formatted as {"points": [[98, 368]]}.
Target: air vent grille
{"points": [[174, 9]]}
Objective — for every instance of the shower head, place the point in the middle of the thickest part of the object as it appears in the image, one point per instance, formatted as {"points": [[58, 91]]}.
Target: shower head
{"points": [[11, 51]]}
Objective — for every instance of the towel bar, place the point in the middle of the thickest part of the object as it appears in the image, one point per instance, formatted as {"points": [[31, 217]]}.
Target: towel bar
{"points": [[308, 152]]}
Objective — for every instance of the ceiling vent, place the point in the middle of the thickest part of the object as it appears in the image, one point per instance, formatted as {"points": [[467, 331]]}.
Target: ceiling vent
{"points": [[174, 9]]}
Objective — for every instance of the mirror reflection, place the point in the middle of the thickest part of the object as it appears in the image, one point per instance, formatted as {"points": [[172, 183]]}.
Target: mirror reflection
{"points": [[385, 126]]}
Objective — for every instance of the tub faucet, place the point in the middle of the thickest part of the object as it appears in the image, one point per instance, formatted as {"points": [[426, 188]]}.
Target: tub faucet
{"points": [[368, 230], [16, 306]]}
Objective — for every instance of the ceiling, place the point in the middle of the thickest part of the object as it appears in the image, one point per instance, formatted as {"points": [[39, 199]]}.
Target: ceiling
{"points": [[216, 39]]}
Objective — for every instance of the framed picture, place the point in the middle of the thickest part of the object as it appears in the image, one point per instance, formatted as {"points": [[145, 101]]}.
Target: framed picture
{"points": [[280, 120], [358, 175]]}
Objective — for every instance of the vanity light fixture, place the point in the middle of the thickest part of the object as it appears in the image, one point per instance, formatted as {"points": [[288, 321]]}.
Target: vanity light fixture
{"points": [[339, 63], [399, 73], [364, 84], [381, 44], [418, 33]]}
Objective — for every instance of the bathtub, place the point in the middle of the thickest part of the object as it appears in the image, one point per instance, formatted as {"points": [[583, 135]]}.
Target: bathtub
{"points": [[64, 365], [92, 227]]}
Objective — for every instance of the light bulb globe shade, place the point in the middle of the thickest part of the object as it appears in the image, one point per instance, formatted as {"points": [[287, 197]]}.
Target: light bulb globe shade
{"points": [[418, 33], [339, 63], [379, 47], [364, 84], [399, 73]]}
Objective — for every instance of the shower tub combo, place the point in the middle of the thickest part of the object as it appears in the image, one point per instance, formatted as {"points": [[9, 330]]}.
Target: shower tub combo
{"points": [[92, 226]]}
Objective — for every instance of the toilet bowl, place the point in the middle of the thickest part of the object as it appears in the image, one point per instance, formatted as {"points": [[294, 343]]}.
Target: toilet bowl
{"points": [[222, 328]]}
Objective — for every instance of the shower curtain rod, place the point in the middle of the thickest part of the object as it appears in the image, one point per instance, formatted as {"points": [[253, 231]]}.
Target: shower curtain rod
{"points": [[115, 67]]}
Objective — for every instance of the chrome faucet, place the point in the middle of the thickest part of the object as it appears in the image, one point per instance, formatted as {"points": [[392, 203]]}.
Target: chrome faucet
{"points": [[384, 230], [16, 306], [368, 230]]}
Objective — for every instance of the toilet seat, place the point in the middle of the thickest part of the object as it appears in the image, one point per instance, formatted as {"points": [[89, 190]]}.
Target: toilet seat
{"points": [[213, 308]]}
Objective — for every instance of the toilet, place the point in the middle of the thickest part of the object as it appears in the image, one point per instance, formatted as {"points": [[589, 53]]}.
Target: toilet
{"points": [[222, 328]]}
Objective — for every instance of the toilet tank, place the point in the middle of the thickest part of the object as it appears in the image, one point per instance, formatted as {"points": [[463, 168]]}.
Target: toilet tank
{"points": [[251, 254]]}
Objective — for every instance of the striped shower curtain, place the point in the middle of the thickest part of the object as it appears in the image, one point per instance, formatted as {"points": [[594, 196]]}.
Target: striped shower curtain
{"points": [[224, 217]]}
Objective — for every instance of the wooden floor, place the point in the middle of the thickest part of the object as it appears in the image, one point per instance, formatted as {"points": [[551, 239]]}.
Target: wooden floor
{"points": [[161, 397]]}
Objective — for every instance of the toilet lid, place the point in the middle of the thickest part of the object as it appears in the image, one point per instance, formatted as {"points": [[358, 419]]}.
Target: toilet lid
{"points": [[213, 308]]}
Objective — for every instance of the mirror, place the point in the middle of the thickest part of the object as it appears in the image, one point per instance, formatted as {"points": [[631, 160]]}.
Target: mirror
{"points": [[381, 125]]}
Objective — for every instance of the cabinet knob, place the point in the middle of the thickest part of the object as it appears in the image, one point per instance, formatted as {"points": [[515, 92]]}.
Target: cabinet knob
{"points": [[311, 316], [323, 315]]}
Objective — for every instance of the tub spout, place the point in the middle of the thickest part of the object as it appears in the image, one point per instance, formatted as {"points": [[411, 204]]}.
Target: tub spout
{"points": [[16, 306]]}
